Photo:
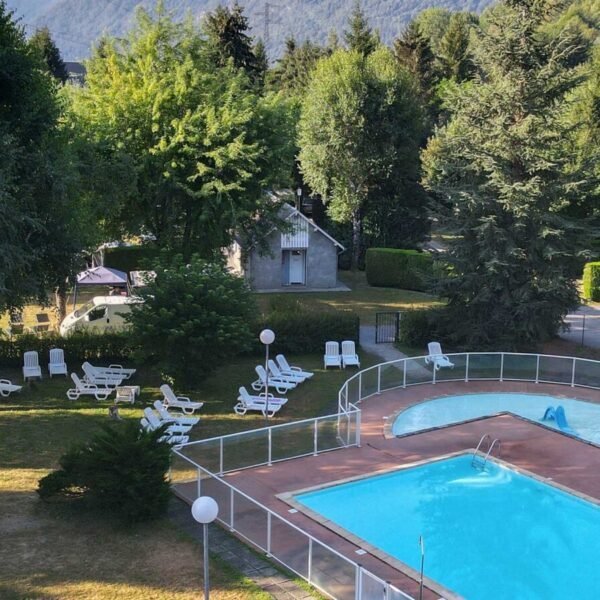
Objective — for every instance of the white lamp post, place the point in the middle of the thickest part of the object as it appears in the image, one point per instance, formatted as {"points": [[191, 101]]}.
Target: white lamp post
{"points": [[205, 511], [267, 337], [299, 194]]}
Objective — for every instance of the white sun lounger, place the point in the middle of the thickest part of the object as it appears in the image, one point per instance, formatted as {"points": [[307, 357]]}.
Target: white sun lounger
{"points": [[287, 369], [56, 363], [349, 356], [7, 387], [170, 400], [31, 365], [281, 385], [247, 402], [167, 417], [332, 357], [437, 357], [92, 376], [275, 372], [171, 439], [83, 388], [156, 422], [114, 370]]}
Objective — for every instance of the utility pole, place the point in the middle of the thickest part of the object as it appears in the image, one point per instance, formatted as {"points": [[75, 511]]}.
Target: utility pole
{"points": [[267, 15]]}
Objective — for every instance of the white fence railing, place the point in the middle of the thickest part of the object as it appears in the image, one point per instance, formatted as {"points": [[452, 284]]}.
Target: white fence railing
{"points": [[316, 562], [471, 366]]}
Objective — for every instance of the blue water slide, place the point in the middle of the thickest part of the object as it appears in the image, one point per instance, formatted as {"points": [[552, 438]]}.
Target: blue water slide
{"points": [[558, 415]]}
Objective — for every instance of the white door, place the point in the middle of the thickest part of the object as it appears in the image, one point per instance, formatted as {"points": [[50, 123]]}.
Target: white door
{"points": [[297, 266]]}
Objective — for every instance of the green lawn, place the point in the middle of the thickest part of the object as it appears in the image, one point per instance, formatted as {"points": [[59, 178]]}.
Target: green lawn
{"points": [[59, 552], [363, 299]]}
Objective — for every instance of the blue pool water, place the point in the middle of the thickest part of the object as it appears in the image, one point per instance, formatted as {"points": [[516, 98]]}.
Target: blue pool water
{"points": [[489, 535], [583, 417]]}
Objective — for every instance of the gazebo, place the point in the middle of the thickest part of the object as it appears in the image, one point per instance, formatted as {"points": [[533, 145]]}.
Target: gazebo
{"points": [[101, 276]]}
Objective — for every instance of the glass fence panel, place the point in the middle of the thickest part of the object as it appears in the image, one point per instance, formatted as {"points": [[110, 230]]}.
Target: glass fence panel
{"points": [[587, 372], [181, 470], [335, 432], [396, 594], [245, 450], [353, 390], [368, 382], [484, 366], [555, 369], [216, 488], [392, 375], [250, 520], [292, 440], [289, 546], [457, 372], [418, 371], [520, 367], [371, 587], [206, 454], [332, 573]]}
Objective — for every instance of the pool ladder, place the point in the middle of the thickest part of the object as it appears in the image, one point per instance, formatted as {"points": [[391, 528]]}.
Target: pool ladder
{"points": [[479, 457]]}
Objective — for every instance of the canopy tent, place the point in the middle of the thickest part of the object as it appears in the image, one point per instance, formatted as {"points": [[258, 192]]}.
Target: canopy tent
{"points": [[100, 276]]}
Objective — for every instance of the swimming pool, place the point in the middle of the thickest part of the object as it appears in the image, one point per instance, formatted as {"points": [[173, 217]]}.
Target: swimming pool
{"points": [[583, 417], [494, 534]]}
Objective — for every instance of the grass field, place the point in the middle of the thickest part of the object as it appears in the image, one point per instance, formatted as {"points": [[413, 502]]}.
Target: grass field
{"points": [[50, 551]]}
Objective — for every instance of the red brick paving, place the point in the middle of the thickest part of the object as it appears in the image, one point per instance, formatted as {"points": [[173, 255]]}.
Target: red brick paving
{"points": [[547, 453]]}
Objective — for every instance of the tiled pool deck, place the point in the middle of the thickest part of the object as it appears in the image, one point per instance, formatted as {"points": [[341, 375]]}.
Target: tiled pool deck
{"points": [[546, 453]]}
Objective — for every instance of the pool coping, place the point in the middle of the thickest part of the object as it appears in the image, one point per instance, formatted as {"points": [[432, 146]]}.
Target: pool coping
{"points": [[289, 498]]}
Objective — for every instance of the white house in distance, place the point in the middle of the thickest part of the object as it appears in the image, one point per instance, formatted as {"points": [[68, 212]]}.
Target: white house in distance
{"points": [[303, 257]]}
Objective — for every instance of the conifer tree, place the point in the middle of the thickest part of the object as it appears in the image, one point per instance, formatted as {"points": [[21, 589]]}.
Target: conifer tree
{"points": [[503, 168], [360, 37], [454, 50], [41, 41]]}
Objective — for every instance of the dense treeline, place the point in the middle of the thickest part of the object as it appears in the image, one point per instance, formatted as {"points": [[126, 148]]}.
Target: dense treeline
{"points": [[486, 127]]}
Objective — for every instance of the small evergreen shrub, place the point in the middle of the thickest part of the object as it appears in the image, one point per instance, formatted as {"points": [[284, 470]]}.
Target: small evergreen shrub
{"points": [[122, 470], [591, 281], [405, 269]]}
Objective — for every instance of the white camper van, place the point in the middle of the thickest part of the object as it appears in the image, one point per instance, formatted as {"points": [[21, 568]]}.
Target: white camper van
{"points": [[101, 314]]}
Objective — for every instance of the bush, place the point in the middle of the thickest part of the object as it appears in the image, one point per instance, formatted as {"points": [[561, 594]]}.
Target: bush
{"points": [[421, 326], [123, 470], [305, 331], [195, 317], [591, 281], [406, 269], [78, 347], [131, 258]]}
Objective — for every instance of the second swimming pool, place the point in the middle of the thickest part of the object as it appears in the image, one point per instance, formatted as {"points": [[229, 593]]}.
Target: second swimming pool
{"points": [[583, 417]]}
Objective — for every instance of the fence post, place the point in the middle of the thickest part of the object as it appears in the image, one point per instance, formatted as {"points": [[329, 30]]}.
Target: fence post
{"points": [[309, 570], [379, 379], [316, 438], [358, 582], [360, 386], [433, 375], [467, 369], [573, 372], [537, 369], [199, 489], [221, 456], [270, 447], [502, 367], [358, 424], [404, 372], [269, 533], [231, 509]]}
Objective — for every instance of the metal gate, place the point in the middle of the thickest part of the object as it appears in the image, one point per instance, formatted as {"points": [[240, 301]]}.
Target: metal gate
{"points": [[387, 327]]}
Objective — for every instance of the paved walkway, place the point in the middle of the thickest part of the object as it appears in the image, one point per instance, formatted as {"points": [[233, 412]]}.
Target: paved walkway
{"points": [[386, 352], [585, 326], [237, 554]]}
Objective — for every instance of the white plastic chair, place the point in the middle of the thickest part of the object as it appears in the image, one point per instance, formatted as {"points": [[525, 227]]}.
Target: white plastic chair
{"points": [[31, 365], [281, 385], [7, 387], [83, 388], [437, 357], [287, 369], [167, 417], [349, 356], [248, 402], [170, 400], [332, 357], [56, 363]]}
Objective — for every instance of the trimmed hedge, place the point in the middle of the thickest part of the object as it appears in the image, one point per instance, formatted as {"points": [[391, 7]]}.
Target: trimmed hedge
{"points": [[591, 281], [78, 348], [405, 269], [306, 331], [130, 258], [421, 326]]}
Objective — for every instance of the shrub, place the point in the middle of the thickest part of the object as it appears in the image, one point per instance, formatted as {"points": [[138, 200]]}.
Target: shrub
{"points": [[406, 269], [122, 470], [131, 258], [78, 347], [195, 317], [591, 281], [306, 331], [421, 326]]}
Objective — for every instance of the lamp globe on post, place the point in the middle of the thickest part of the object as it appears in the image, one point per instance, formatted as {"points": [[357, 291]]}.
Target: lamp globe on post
{"points": [[205, 511], [299, 194], [267, 337]]}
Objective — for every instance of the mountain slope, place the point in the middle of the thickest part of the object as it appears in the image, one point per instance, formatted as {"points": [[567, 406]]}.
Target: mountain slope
{"points": [[76, 24]]}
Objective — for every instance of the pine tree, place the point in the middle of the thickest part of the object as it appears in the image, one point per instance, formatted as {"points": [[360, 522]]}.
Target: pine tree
{"points": [[262, 62], [502, 166], [454, 48], [360, 36], [41, 41]]}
